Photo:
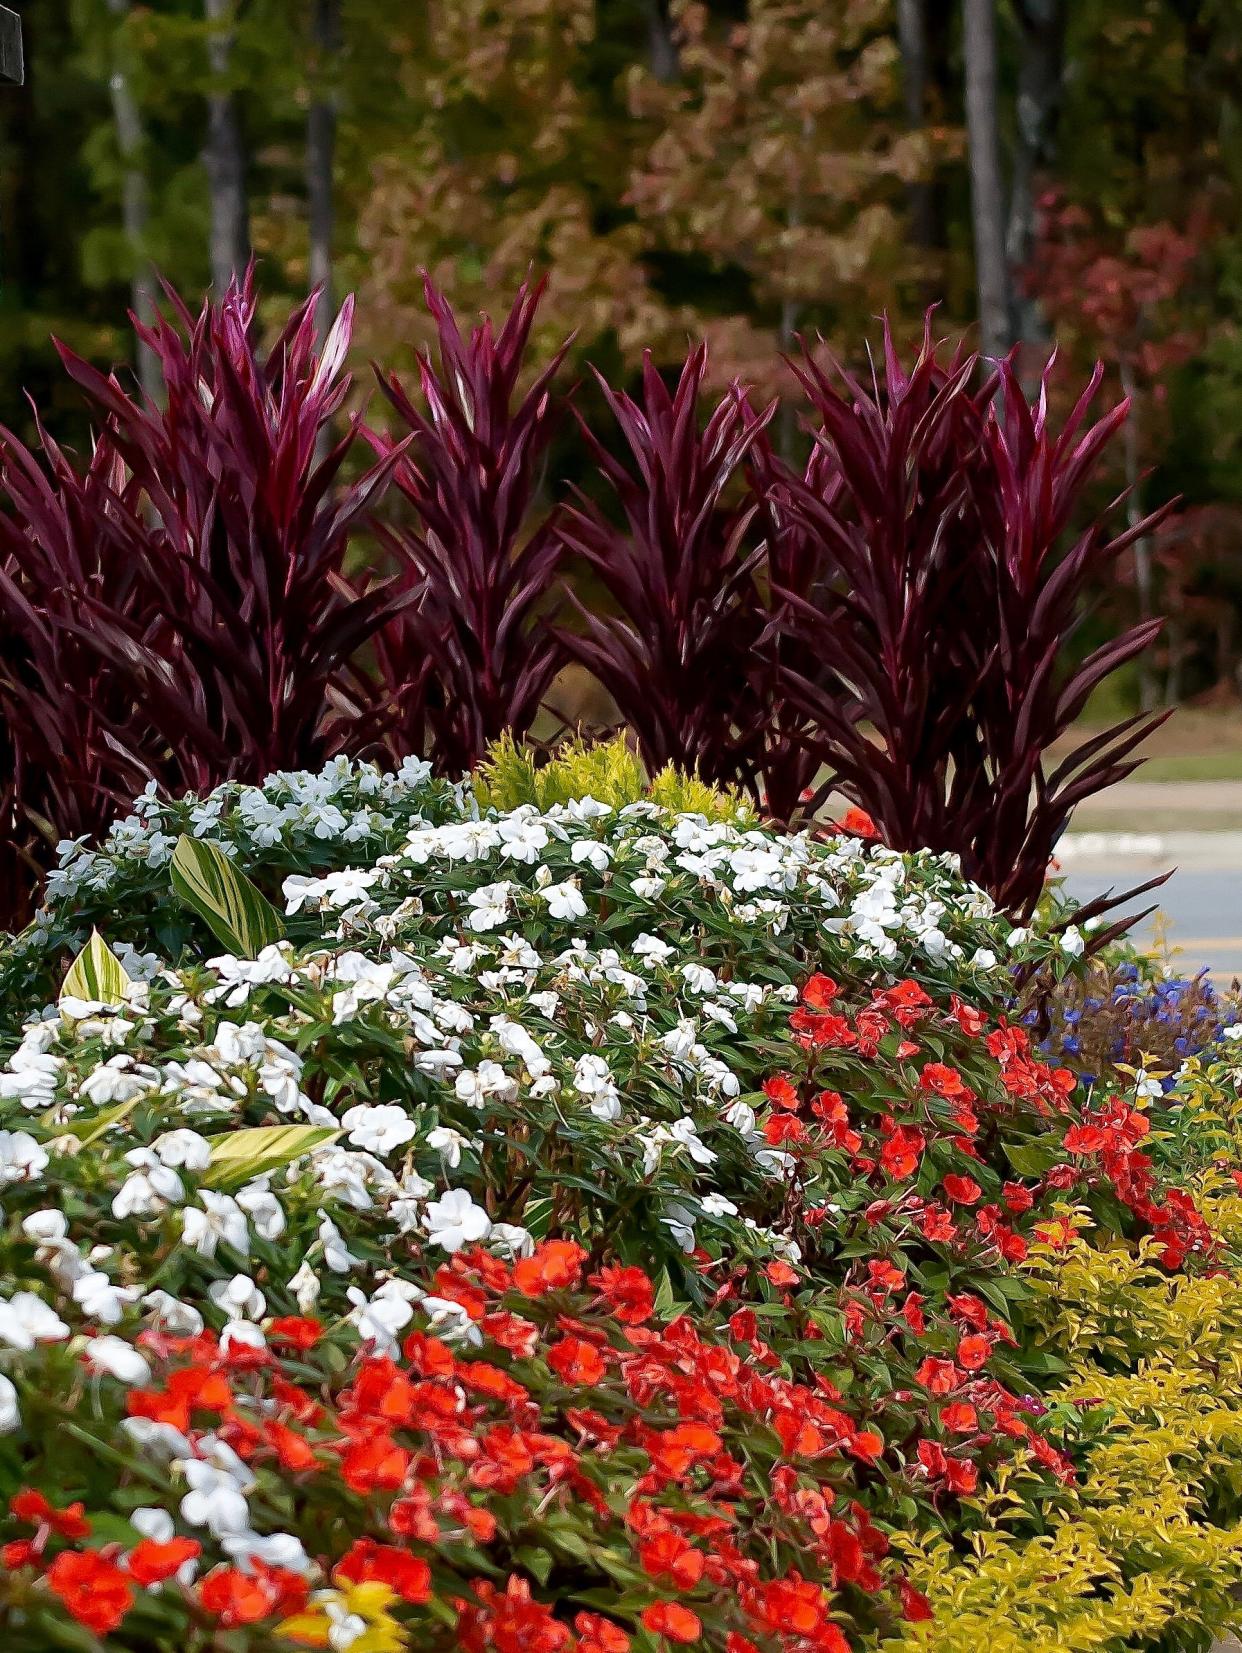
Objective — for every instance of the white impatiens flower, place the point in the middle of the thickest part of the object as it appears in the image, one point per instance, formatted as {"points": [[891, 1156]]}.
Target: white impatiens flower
{"points": [[454, 1221], [565, 900], [217, 1219], [10, 1412], [448, 1143], [119, 1359], [181, 1319], [150, 1188], [184, 1149], [380, 1128], [216, 1499], [21, 1157], [336, 1254], [267, 1217], [238, 1298], [379, 1319], [26, 1320], [593, 1080], [99, 1299]]}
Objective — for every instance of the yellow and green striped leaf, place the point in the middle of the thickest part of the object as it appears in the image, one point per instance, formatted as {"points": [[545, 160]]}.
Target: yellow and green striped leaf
{"points": [[96, 974], [235, 912]]}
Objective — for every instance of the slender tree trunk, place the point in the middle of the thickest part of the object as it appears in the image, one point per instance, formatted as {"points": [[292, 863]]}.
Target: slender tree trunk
{"points": [[912, 42], [135, 197], [321, 156], [665, 63], [987, 188], [1144, 574], [225, 155], [1042, 26]]}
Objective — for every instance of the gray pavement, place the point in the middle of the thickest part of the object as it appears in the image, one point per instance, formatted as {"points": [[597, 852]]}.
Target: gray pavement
{"points": [[1201, 905]]}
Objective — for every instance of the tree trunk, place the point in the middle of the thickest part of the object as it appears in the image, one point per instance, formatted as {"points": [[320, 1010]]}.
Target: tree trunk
{"points": [[912, 43], [135, 199], [1042, 27], [225, 155], [665, 63], [1144, 573], [320, 157], [987, 188]]}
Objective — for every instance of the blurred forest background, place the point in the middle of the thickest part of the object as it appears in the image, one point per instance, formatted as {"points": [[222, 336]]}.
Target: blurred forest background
{"points": [[745, 170]]}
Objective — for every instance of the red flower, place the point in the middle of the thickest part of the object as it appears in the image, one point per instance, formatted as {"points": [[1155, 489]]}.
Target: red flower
{"points": [[781, 1273], [973, 1352], [600, 1635], [96, 1592], [671, 1619], [628, 1292], [297, 1332], [237, 1598], [915, 1606], [374, 1463], [819, 992], [33, 1508], [668, 1554], [938, 1376], [151, 1563], [577, 1361], [962, 1190], [555, 1265], [780, 1092], [366, 1561]]}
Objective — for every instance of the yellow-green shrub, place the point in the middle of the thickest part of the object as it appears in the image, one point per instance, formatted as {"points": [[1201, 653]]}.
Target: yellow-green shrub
{"points": [[608, 771], [1147, 1551]]}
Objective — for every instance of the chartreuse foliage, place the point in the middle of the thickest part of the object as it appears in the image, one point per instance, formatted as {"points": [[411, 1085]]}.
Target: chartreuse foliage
{"points": [[609, 771], [1147, 1550]]}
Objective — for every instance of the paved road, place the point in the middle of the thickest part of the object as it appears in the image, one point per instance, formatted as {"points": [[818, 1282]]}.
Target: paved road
{"points": [[1202, 902]]}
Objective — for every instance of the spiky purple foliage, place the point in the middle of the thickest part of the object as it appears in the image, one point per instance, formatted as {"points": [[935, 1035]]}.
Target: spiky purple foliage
{"points": [[469, 658], [952, 585], [681, 568], [242, 525]]}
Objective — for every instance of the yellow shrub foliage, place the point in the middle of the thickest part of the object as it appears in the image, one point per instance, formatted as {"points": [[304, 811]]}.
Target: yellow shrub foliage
{"points": [[608, 771], [1146, 1552]]}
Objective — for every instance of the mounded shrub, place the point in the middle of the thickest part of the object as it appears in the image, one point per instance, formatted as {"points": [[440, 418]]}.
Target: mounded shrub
{"points": [[585, 1228]]}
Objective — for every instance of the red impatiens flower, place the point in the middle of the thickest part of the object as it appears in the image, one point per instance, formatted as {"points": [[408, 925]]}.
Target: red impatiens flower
{"points": [[366, 1561], [628, 1292], [672, 1619], [962, 1190], [151, 1563], [96, 1592], [819, 992], [781, 1092], [666, 1554], [235, 1597], [33, 1508], [554, 1266], [973, 1352], [599, 1635], [577, 1361]]}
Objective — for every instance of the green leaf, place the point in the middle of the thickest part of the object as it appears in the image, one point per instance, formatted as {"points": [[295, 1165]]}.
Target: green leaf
{"points": [[243, 1155], [90, 1130], [96, 974], [228, 903]]}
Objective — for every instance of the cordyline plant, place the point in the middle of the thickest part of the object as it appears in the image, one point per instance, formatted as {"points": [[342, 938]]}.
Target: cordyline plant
{"points": [[76, 746], [944, 608], [681, 568], [467, 659], [242, 527]]}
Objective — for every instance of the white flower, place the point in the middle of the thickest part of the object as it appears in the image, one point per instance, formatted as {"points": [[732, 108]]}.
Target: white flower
{"points": [[119, 1359], [379, 1129], [454, 1221], [26, 1320], [113, 1082], [1071, 942], [99, 1299], [379, 1318], [565, 900], [448, 1143], [305, 1287], [215, 1499], [153, 1523], [509, 1241], [182, 1319], [523, 837], [21, 1157], [336, 1254], [238, 1298], [220, 1219], [273, 1549], [593, 1079], [489, 906], [450, 1321], [10, 1412], [267, 1218], [149, 1189], [183, 1148]]}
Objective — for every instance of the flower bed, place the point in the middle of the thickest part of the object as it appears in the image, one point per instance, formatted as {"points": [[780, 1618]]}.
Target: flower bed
{"points": [[589, 1228]]}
